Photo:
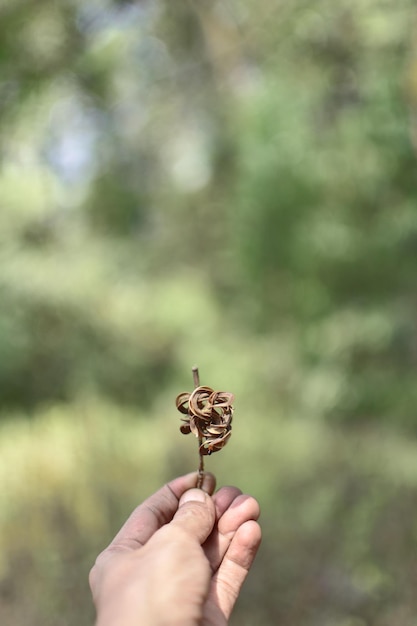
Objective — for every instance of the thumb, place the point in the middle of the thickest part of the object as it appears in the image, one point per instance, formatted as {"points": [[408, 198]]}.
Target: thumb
{"points": [[196, 514]]}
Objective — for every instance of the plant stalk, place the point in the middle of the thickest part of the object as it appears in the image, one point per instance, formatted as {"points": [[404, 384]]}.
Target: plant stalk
{"points": [[196, 379]]}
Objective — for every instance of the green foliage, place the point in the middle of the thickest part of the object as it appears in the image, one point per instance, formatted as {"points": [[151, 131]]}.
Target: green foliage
{"points": [[231, 184]]}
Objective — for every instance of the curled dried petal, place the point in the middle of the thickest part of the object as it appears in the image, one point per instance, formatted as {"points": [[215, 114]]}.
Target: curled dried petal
{"points": [[182, 401], [214, 445], [198, 402], [216, 430], [195, 426], [221, 399]]}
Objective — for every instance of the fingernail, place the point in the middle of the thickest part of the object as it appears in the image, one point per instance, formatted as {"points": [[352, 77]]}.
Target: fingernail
{"points": [[192, 495]]}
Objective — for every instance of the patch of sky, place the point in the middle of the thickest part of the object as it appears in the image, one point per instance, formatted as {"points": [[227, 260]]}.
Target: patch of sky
{"points": [[71, 137], [101, 15]]}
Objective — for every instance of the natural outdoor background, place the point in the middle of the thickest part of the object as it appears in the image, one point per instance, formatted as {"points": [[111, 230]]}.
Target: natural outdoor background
{"points": [[233, 184]]}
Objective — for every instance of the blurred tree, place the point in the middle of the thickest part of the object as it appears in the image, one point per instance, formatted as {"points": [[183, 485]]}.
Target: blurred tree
{"points": [[325, 204]]}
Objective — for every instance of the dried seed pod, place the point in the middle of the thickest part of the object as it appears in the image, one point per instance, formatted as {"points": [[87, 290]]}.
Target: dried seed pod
{"points": [[208, 416]]}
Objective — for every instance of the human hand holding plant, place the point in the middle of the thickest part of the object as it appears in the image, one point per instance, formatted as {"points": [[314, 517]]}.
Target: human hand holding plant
{"points": [[183, 555]]}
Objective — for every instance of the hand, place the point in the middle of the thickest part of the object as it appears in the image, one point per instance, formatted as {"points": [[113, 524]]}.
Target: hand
{"points": [[180, 559]]}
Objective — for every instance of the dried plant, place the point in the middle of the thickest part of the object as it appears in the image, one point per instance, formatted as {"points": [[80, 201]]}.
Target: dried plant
{"points": [[208, 416]]}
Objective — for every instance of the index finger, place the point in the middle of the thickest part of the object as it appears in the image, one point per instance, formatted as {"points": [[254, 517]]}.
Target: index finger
{"points": [[156, 511]]}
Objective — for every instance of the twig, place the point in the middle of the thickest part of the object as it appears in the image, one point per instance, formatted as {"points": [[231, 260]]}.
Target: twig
{"points": [[196, 379]]}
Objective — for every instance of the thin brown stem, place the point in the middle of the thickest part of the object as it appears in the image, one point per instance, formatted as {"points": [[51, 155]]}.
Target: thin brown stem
{"points": [[196, 376], [196, 379]]}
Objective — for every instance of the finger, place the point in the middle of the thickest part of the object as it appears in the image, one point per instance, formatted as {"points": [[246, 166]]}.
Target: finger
{"points": [[157, 510], [223, 498], [234, 568], [241, 509], [196, 514]]}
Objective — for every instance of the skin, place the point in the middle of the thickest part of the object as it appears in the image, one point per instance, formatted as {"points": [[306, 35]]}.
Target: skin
{"points": [[180, 559]]}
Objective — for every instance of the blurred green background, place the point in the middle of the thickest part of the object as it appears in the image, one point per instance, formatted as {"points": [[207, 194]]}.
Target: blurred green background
{"points": [[226, 183]]}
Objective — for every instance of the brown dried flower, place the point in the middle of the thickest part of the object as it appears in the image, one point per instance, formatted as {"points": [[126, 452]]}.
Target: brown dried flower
{"points": [[208, 416]]}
